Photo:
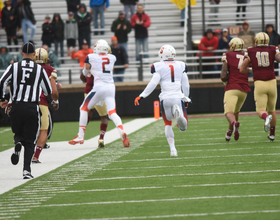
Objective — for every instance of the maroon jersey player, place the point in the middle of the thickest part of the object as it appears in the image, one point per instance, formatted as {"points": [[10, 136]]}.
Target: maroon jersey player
{"points": [[262, 57], [236, 86]]}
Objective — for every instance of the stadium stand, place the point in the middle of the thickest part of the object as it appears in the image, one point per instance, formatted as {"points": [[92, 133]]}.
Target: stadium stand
{"points": [[165, 29]]}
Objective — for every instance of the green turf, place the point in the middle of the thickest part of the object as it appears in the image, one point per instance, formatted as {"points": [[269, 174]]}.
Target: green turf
{"points": [[210, 179], [62, 131]]}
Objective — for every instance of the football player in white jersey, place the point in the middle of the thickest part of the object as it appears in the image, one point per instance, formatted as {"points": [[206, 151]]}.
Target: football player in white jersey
{"points": [[100, 64], [173, 80]]}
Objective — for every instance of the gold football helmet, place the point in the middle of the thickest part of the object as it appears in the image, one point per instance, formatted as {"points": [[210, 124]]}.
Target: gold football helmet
{"points": [[236, 44], [109, 50], [41, 56], [261, 39]]}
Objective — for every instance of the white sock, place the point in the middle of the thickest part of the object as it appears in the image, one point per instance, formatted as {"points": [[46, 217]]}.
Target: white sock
{"points": [[118, 122], [170, 137], [83, 123]]}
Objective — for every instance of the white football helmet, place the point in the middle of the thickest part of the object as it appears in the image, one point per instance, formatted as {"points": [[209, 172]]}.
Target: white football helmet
{"points": [[166, 52], [101, 46]]}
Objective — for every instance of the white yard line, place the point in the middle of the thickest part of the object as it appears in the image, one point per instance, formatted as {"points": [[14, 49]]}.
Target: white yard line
{"points": [[188, 215], [7, 129], [191, 165], [153, 200], [59, 154]]}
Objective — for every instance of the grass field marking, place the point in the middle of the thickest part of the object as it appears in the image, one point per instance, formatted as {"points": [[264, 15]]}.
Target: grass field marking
{"points": [[76, 171], [191, 165], [222, 149], [175, 186], [180, 174], [156, 200], [5, 130], [202, 157], [188, 215]]}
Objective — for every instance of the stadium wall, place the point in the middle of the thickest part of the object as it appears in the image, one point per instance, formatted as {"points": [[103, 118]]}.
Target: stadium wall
{"points": [[207, 97]]}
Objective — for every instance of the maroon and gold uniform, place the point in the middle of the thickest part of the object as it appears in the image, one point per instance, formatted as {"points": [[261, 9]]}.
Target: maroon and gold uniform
{"points": [[43, 104], [262, 61], [236, 80], [237, 84]]}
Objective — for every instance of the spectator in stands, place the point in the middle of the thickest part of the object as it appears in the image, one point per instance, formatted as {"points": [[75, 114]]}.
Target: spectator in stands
{"points": [[247, 35], [224, 40], [5, 57], [274, 37], [55, 63], [209, 42], [58, 25], [122, 58], [71, 32], [97, 8], [243, 9], [47, 32], [214, 10], [121, 27], [83, 19], [73, 5], [82, 54], [26, 19], [14, 3], [218, 33], [9, 22], [141, 22], [129, 7]]}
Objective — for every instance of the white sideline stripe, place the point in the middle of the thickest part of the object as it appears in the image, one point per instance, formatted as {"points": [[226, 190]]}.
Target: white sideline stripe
{"points": [[157, 200], [202, 157], [7, 129], [57, 155], [222, 149], [180, 174], [175, 186], [187, 215], [190, 165]]}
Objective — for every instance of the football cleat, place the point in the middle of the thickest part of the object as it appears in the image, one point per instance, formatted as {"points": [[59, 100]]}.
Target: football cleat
{"points": [[173, 153], [15, 155], [176, 111], [267, 123], [228, 135], [27, 175], [77, 140], [236, 130], [35, 160], [47, 146], [125, 140], [271, 137], [100, 143]]}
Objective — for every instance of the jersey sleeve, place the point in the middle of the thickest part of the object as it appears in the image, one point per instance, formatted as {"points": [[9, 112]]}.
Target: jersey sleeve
{"points": [[153, 69], [4, 81], [151, 86]]}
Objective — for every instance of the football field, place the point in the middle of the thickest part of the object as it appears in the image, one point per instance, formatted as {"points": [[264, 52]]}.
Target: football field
{"points": [[210, 178]]}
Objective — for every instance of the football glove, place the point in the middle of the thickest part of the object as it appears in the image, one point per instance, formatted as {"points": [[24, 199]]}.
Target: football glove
{"points": [[8, 108], [55, 104], [137, 100]]}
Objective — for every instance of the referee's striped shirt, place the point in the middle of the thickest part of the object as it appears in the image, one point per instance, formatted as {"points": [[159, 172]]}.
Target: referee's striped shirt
{"points": [[27, 80]]}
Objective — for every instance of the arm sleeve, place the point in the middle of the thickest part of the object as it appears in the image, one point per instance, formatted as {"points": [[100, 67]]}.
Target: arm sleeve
{"points": [[151, 86], [4, 80], [125, 57], [201, 45], [132, 21], [185, 85], [147, 23], [45, 83]]}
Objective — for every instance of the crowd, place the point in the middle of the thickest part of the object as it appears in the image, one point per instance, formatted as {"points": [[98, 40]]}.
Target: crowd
{"points": [[220, 38]]}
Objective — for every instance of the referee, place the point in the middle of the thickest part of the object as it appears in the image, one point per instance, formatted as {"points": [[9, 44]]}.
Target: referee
{"points": [[27, 79]]}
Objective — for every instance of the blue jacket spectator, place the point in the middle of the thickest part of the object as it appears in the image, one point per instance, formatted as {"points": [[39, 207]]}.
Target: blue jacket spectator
{"points": [[224, 40], [97, 8]]}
